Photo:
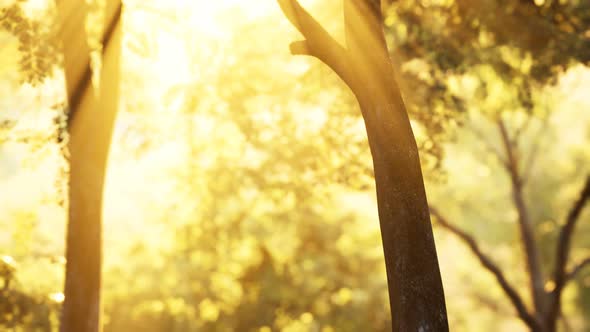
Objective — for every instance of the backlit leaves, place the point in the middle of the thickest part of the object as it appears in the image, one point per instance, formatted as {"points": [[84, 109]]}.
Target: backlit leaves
{"points": [[37, 43]]}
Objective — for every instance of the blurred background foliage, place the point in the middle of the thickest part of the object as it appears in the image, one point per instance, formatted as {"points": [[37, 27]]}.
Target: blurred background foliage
{"points": [[240, 192]]}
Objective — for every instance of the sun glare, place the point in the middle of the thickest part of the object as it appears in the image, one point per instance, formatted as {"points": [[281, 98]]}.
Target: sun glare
{"points": [[57, 297]]}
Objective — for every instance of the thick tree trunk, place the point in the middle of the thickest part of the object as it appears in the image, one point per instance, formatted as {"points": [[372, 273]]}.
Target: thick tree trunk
{"points": [[90, 125], [415, 288], [415, 295]]}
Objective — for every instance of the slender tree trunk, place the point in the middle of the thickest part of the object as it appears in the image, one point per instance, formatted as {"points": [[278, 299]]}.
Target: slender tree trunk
{"points": [[90, 125], [416, 297], [416, 294], [415, 288], [531, 251], [561, 275]]}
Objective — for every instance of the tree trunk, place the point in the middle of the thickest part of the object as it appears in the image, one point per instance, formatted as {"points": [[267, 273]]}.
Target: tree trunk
{"points": [[90, 125], [415, 295], [415, 288], [526, 227]]}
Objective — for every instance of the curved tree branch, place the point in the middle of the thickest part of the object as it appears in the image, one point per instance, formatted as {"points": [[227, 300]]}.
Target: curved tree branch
{"points": [[78, 69], [577, 269], [487, 262], [318, 42], [567, 230], [563, 247], [76, 51]]}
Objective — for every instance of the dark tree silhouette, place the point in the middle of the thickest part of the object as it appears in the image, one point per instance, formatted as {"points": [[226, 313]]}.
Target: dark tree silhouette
{"points": [[415, 288]]}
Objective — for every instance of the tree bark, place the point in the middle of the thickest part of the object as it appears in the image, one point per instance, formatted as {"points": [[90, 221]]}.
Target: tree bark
{"points": [[90, 125], [415, 288], [416, 295]]}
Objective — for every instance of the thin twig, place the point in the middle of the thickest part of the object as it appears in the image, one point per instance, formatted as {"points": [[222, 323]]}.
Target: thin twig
{"points": [[577, 269], [489, 147]]}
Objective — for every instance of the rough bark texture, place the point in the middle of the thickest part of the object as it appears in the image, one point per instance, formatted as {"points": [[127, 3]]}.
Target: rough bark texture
{"points": [[415, 287], [90, 125]]}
